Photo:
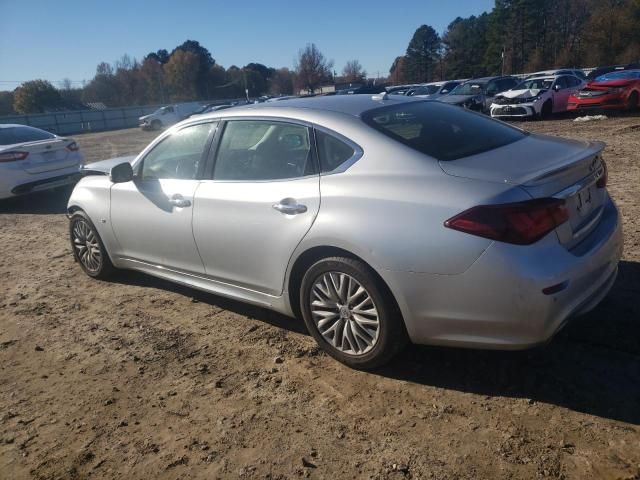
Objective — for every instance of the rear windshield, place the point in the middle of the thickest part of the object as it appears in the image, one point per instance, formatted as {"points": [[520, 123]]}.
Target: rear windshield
{"points": [[11, 135], [442, 131]]}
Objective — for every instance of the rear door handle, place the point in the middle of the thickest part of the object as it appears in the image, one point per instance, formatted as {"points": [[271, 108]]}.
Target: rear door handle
{"points": [[289, 206], [178, 200]]}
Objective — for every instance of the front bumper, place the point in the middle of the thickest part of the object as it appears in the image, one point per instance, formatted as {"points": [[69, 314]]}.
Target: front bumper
{"points": [[602, 102], [498, 302], [520, 110]]}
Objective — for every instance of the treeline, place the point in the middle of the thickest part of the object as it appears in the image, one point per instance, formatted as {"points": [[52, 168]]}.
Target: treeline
{"points": [[188, 72], [520, 36]]}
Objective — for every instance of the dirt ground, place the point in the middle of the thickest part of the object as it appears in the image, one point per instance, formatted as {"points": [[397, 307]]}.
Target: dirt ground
{"points": [[139, 378]]}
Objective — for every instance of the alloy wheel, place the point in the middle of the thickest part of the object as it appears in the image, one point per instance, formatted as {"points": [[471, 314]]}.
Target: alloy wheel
{"points": [[86, 245], [344, 313]]}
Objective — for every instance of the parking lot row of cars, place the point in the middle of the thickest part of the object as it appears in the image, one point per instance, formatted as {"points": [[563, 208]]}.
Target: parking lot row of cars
{"points": [[539, 94]]}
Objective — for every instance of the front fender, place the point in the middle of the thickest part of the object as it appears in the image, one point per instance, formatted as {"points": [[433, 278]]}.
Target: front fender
{"points": [[92, 195]]}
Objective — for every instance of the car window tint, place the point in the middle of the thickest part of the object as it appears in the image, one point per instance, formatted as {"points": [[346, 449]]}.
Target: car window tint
{"points": [[178, 155], [262, 150], [441, 131], [332, 152], [561, 82], [11, 135]]}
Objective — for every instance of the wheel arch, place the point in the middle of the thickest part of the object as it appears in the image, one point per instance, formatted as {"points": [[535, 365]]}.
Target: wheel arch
{"points": [[315, 253]]}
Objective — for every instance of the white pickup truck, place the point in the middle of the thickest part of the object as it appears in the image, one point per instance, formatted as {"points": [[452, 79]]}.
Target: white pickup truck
{"points": [[166, 116]]}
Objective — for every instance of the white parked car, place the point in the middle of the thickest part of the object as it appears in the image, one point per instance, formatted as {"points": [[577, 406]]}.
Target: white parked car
{"points": [[32, 160], [536, 97], [167, 116]]}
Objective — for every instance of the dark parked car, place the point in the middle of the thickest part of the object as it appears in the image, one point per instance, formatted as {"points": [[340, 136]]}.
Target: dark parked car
{"points": [[477, 94]]}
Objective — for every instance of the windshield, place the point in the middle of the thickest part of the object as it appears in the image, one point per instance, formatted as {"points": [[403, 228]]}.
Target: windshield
{"points": [[624, 75], [441, 131], [426, 90], [535, 84], [470, 88], [12, 135]]}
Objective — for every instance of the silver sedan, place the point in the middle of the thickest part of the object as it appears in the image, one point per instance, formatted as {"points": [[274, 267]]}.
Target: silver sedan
{"points": [[377, 219]]}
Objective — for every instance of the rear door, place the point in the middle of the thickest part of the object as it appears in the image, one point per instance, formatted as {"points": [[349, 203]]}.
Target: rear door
{"points": [[151, 215], [262, 198]]}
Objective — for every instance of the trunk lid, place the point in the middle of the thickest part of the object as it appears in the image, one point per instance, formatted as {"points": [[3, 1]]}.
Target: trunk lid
{"points": [[546, 167], [45, 155]]}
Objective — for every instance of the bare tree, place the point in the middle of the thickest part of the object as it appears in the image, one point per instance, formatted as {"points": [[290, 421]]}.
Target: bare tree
{"points": [[312, 68], [353, 72]]}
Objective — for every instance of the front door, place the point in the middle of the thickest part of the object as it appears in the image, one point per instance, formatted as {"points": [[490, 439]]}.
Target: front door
{"points": [[262, 198], [151, 215]]}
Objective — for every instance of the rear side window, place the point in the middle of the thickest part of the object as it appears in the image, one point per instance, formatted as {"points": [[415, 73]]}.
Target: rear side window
{"points": [[11, 135], [263, 150], [332, 152], [444, 132]]}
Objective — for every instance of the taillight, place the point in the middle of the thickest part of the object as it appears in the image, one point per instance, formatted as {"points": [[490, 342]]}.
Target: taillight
{"points": [[73, 147], [13, 156], [521, 223], [602, 181]]}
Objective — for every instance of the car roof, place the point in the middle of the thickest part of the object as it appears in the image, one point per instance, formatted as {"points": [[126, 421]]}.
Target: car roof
{"points": [[11, 125], [354, 105]]}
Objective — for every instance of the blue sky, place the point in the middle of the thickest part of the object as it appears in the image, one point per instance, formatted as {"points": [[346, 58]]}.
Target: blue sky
{"points": [[68, 38]]}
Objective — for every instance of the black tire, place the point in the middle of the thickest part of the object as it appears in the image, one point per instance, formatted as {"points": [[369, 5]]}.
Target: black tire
{"points": [[391, 332], [632, 102], [89, 252], [156, 125], [547, 109]]}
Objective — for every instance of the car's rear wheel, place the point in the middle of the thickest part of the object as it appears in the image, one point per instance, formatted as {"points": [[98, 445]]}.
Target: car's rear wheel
{"points": [[632, 101], [350, 314], [88, 249]]}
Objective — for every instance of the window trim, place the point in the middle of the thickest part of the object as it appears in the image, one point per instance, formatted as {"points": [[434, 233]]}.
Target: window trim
{"points": [[344, 166], [139, 161], [222, 126]]}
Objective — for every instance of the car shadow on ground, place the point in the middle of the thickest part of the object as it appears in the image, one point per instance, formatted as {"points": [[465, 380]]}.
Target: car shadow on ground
{"points": [[47, 202], [592, 366]]}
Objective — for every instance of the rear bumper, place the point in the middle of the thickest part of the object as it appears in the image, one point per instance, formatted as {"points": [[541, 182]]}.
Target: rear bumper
{"points": [[498, 302], [41, 182]]}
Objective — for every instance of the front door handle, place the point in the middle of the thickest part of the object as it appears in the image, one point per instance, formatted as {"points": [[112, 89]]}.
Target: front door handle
{"points": [[289, 206], [178, 200]]}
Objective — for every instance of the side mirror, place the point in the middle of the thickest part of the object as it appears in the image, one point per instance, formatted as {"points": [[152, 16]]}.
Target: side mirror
{"points": [[557, 87], [123, 172]]}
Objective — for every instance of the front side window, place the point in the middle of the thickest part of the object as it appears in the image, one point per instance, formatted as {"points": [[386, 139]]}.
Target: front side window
{"points": [[332, 151], [263, 150], [441, 131], [178, 156]]}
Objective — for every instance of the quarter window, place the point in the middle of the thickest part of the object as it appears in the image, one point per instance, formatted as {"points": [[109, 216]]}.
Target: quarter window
{"points": [[179, 155], [332, 152], [262, 150]]}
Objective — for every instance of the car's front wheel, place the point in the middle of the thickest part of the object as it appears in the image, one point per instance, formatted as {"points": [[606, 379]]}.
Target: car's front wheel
{"points": [[350, 314], [87, 247]]}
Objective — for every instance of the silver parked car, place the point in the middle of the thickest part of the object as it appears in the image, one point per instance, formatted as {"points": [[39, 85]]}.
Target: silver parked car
{"points": [[377, 219]]}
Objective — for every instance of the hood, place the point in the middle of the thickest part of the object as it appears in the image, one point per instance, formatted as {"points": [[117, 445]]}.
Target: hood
{"points": [[144, 117], [526, 93], [455, 99], [105, 166], [522, 161]]}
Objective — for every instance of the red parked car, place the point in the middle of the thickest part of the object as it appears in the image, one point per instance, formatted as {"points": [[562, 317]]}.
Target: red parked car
{"points": [[616, 90]]}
